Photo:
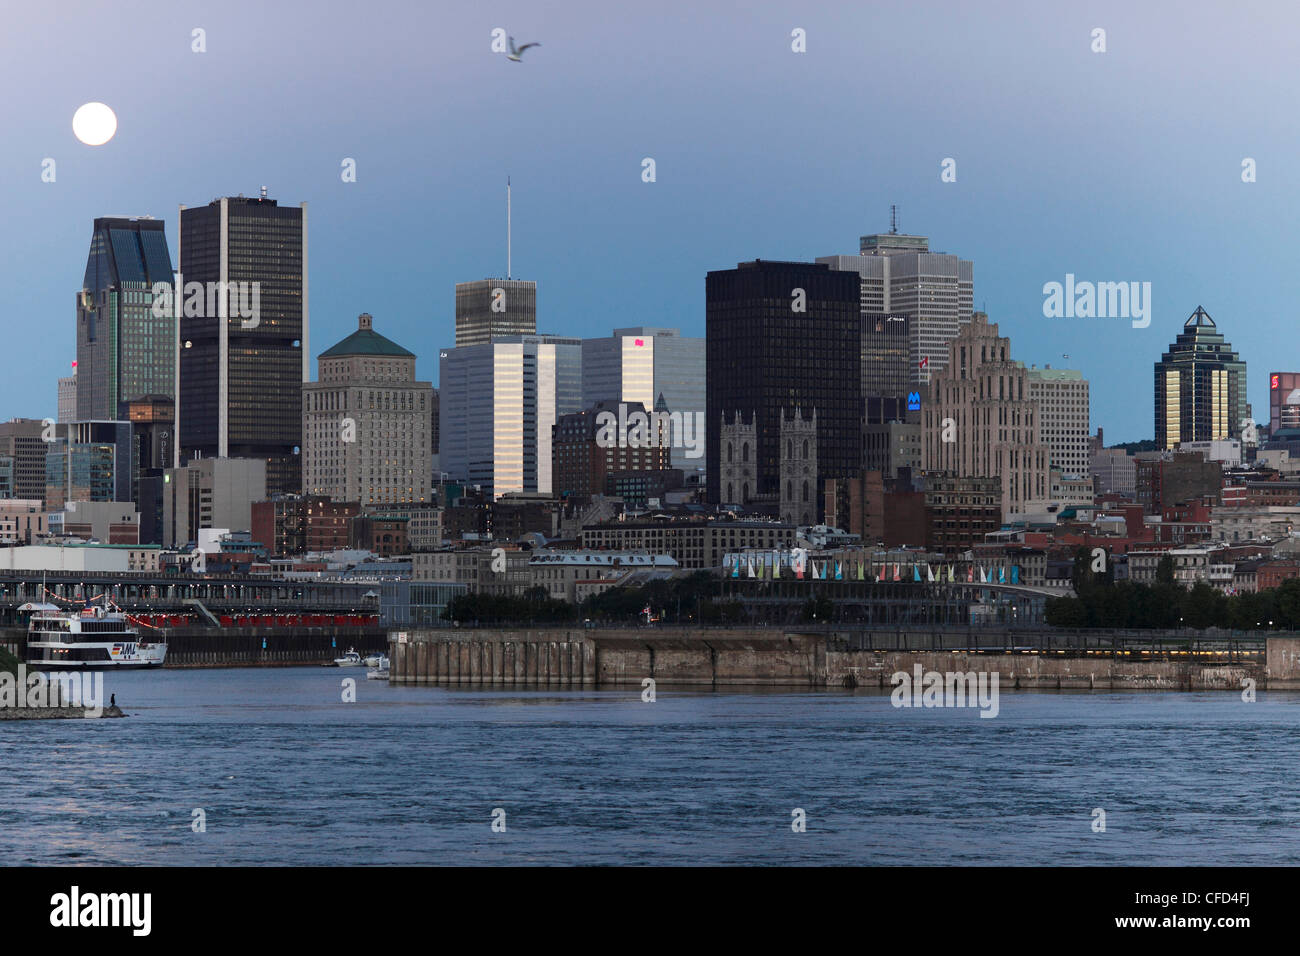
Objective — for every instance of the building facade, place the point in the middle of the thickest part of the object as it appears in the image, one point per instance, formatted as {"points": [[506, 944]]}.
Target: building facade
{"points": [[366, 423], [242, 356], [782, 336], [584, 454], [211, 493], [1200, 386], [499, 403], [979, 421], [658, 368], [487, 308], [125, 347], [1064, 419], [934, 291], [25, 441]]}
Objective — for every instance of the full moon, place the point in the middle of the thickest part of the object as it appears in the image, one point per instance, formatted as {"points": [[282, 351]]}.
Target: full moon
{"points": [[94, 124]]}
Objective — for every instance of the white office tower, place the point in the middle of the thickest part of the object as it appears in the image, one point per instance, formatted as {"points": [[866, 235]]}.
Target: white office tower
{"points": [[497, 405]]}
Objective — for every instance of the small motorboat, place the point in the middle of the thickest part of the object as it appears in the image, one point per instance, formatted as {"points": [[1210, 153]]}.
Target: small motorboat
{"points": [[380, 670], [350, 659], [374, 659]]}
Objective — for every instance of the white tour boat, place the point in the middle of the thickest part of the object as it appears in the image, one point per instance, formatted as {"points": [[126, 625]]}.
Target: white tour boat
{"points": [[86, 640]]}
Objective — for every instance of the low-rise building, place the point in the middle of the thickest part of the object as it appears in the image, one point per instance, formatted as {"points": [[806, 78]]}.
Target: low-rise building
{"points": [[87, 558], [691, 542], [573, 575]]}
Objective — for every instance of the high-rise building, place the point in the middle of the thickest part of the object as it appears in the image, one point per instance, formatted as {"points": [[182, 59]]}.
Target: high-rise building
{"points": [[23, 439], [89, 461], [125, 348], [886, 356], [1200, 392], [498, 403], [1283, 401], [153, 443], [68, 397], [242, 357], [650, 365], [900, 276], [1063, 417], [979, 421], [211, 493], [366, 423], [781, 337], [487, 308]]}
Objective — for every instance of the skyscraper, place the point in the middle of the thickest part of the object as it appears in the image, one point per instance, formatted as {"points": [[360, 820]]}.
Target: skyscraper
{"points": [[68, 397], [489, 307], [124, 349], [242, 357], [645, 365], [933, 290], [979, 421], [1063, 417], [784, 338], [1200, 386], [366, 423], [498, 403], [89, 461]]}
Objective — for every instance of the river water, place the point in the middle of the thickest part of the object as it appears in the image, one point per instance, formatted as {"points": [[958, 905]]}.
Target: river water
{"points": [[286, 772]]}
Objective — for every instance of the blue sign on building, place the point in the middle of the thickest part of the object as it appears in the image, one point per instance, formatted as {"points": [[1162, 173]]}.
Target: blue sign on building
{"points": [[913, 401]]}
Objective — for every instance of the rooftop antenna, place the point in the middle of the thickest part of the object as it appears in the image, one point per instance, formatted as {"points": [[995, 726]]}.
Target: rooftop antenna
{"points": [[508, 227], [893, 220]]}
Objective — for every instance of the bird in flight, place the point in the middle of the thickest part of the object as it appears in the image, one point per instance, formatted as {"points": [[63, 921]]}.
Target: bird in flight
{"points": [[517, 54]]}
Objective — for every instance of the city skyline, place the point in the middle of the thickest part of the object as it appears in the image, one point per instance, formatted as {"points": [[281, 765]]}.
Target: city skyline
{"points": [[592, 233]]}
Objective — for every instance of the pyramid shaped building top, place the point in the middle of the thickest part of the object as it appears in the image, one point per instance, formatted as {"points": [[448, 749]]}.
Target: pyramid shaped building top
{"points": [[1199, 319]]}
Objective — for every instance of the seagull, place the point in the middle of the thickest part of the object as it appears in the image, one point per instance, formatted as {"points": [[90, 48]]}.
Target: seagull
{"points": [[517, 55]]}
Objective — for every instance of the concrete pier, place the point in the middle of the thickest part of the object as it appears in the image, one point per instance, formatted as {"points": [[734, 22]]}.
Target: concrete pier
{"points": [[774, 657]]}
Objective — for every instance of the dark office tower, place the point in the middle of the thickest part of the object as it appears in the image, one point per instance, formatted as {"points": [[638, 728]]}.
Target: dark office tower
{"points": [[153, 431], [765, 357], [242, 361], [1200, 386], [124, 350], [886, 363], [490, 307]]}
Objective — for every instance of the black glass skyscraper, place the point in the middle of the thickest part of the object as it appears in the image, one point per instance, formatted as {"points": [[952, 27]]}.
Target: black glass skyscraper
{"points": [[783, 336], [124, 350], [240, 377]]}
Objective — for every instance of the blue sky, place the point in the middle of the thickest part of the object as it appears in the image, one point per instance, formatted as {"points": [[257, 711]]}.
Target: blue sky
{"points": [[1115, 166]]}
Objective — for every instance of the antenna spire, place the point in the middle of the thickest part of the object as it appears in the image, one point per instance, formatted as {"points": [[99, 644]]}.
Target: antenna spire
{"points": [[508, 263], [893, 220]]}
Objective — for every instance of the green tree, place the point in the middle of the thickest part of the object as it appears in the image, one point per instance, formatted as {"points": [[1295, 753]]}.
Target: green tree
{"points": [[1165, 570]]}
